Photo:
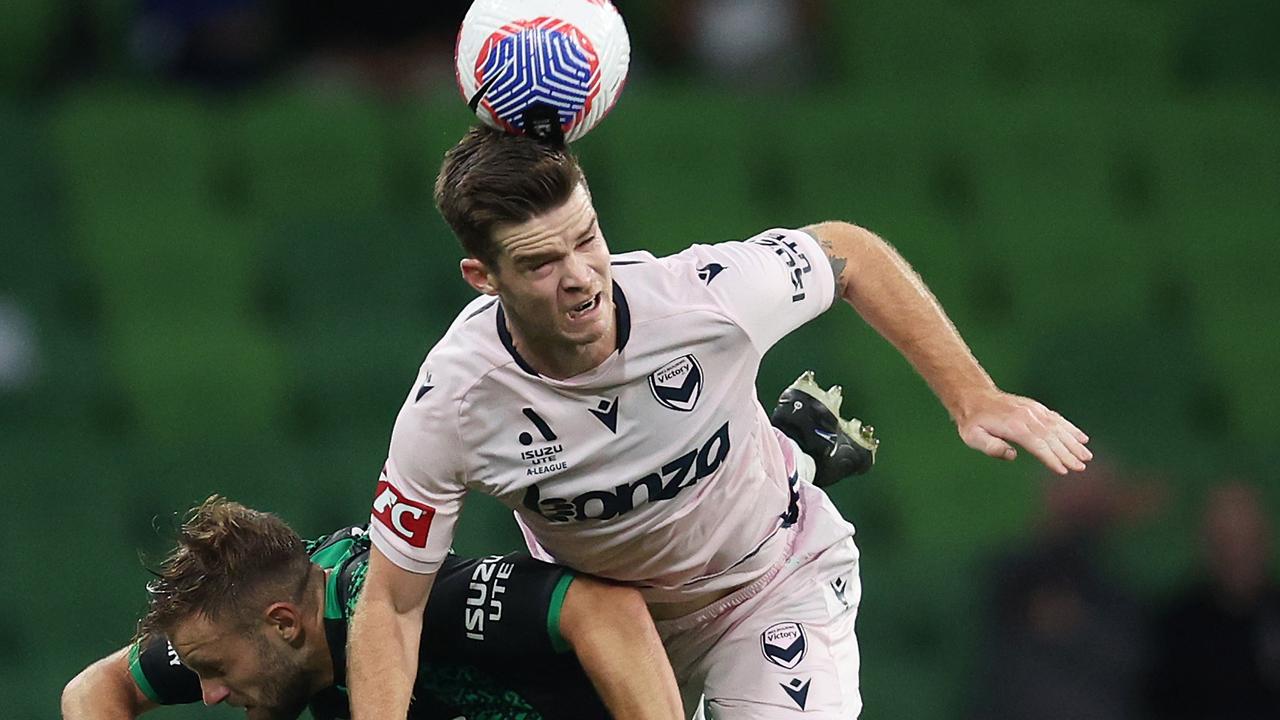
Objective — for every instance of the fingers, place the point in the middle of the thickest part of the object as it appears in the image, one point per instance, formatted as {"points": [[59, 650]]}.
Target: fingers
{"points": [[1045, 441], [984, 442], [1076, 433], [1072, 440], [1074, 445], [1066, 459], [1044, 451], [1057, 443], [1014, 420]]}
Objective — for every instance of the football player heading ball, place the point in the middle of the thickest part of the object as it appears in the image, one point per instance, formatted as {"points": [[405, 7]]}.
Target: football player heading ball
{"points": [[609, 401]]}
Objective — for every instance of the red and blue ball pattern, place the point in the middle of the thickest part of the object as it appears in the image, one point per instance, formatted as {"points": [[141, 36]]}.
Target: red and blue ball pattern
{"points": [[545, 60]]}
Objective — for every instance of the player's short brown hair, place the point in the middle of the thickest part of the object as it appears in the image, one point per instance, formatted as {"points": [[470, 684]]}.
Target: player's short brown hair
{"points": [[230, 562], [492, 178]]}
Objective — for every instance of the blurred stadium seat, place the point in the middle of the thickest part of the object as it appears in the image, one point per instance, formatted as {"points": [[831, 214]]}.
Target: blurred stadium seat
{"points": [[28, 31], [308, 152]]}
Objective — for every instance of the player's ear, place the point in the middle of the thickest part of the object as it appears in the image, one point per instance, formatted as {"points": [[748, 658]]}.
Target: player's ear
{"points": [[478, 275], [285, 620]]}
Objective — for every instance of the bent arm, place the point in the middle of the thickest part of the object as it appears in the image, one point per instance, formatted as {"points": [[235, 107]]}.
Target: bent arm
{"points": [[105, 691], [614, 638], [385, 633], [890, 296]]}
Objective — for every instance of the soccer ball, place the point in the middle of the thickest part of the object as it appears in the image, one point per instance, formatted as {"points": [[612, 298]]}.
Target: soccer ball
{"points": [[545, 68]]}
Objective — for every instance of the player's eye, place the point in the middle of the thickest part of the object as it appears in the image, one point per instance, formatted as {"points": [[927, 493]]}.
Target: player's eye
{"points": [[584, 242]]}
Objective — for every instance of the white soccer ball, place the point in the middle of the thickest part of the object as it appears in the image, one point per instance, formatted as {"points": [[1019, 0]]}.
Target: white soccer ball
{"points": [[528, 66]]}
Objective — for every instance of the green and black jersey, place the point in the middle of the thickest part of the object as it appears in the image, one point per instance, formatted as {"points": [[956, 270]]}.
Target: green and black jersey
{"points": [[491, 642]]}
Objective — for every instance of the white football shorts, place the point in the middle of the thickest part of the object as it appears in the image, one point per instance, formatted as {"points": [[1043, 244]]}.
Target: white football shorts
{"points": [[785, 644]]}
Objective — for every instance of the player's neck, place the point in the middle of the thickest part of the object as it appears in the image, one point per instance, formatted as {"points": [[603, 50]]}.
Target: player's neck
{"points": [[320, 662]]}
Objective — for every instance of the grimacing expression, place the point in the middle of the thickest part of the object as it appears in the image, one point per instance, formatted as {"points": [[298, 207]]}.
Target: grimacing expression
{"points": [[250, 668], [554, 278]]}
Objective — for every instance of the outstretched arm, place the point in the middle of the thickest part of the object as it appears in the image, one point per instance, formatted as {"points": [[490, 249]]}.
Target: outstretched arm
{"points": [[880, 285], [385, 633], [105, 691], [611, 632]]}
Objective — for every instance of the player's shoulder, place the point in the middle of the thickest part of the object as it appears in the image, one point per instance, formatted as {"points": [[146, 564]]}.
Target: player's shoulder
{"points": [[701, 255], [339, 547], [707, 270], [469, 350], [344, 555], [774, 241], [426, 437], [670, 281], [472, 337]]}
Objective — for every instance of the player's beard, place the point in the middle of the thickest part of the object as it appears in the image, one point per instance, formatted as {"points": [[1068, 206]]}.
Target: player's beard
{"points": [[285, 686]]}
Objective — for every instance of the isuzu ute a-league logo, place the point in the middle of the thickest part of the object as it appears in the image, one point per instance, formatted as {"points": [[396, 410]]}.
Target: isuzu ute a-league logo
{"points": [[678, 384], [783, 644], [543, 459]]}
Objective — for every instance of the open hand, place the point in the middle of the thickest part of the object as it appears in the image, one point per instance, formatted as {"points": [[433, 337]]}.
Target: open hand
{"points": [[1000, 420]]}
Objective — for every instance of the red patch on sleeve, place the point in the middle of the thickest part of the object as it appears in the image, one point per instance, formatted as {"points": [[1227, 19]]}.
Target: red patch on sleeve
{"points": [[409, 520]]}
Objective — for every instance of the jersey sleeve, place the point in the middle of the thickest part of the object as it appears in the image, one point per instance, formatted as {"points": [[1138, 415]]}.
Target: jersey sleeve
{"points": [[493, 609], [769, 284], [160, 675], [420, 490]]}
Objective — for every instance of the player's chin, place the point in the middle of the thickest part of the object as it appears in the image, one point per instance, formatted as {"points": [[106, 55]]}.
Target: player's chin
{"points": [[584, 335], [275, 712]]}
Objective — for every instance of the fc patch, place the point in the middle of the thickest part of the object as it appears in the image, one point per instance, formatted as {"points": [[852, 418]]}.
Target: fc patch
{"points": [[409, 520], [783, 644]]}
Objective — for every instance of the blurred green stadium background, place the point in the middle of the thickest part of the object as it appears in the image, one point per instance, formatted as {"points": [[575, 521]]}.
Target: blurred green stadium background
{"points": [[232, 292]]}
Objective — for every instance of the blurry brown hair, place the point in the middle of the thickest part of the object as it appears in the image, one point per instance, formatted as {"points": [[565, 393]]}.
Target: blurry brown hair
{"points": [[230, 563], [491, 178]]}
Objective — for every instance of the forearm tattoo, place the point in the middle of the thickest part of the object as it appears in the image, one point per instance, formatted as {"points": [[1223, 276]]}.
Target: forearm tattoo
{"points": [[838, 264]]}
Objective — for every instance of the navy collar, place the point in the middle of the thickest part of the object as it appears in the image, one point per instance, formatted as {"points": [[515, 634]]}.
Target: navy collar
{"points": [[621, 318]]}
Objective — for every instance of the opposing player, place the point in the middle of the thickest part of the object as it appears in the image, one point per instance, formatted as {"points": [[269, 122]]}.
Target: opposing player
{"points": [[609, 401], [244, 612]]}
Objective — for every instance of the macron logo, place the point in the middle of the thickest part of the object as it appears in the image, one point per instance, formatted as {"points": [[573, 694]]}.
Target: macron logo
{"points": [[408, 519]]}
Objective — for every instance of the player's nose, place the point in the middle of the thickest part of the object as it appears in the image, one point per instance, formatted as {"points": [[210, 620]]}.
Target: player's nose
{"points": [[578, 273], [213, 693]]}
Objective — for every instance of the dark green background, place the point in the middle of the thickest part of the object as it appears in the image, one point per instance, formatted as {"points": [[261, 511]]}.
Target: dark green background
{"points": [[232, 292]]}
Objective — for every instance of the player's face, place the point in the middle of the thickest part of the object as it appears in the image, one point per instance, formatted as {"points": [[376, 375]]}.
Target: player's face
{"points": [[246, 668], [556, 287]]}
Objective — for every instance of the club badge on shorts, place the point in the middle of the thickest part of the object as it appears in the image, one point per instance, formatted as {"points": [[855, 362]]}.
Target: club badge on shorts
{"points": [[783, 644]]}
